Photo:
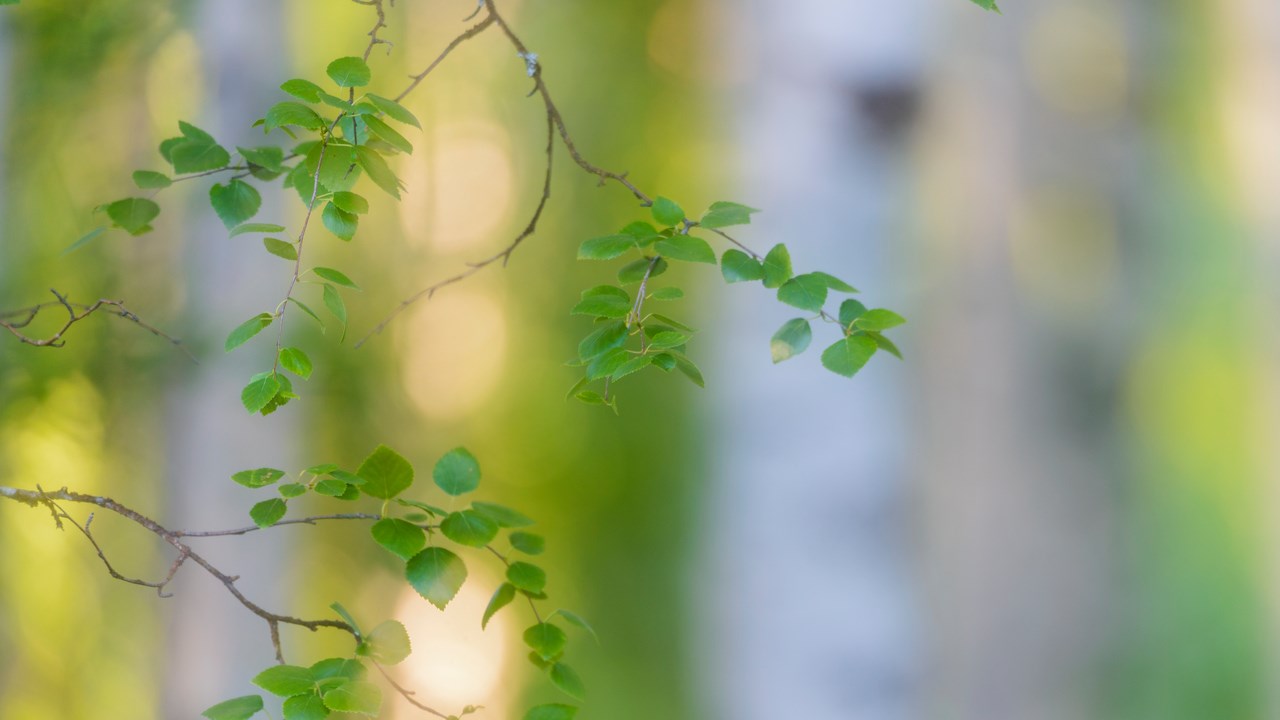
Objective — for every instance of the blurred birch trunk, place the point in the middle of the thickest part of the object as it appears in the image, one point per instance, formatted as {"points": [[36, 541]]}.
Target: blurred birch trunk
{"points": [[215, 644]]}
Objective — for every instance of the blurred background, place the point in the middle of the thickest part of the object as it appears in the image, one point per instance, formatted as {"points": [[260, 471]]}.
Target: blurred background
{"points": [[1059, 506]]}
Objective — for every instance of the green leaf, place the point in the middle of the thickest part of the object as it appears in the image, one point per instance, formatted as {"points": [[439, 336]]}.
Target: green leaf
{"points": [[282, 396], [386, 473], [234, 202], [606, 248], [606, 337], [724, 214], [673, 323], [603, 301], [286, 680], [256, 228], [393, 110], [284, 114], [834, 282], [502, 597], [379, 172], [246, 330], [347, 668], [665, 361], [134, 215], [791, 339], [305, 707], [388, 643], [667, 293], [851, 310], [528, 543], [280, 248], [848, 355], [634, 272], [551, 712], [268, 513], [267, 157], [577, 621], [437, 575], [401, 538], [643, 232], [339, 222], [457, 472], [632, 366], [306, 309], [607, 363], [389, 135], [807, 292], [334, 276], [361, 698], [502, 515], [988, 5], [879, 319], [292, 490], [338, 169], [349, 72], [687, 248], [84, 239], [195, 151], [302, 89], [567, 679], [333, 301], [737, 266], [241, 708], [470, 528], [296, 362], [148, 179], [777, 266], [667, 212], [885, 344], [545, 639], [260, 390], [691, 371], [350, 202], [258, 477], [332, 487], [667, 339], [527, 576]]}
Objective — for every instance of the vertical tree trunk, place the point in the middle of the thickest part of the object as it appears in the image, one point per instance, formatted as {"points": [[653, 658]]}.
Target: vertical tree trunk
{"points": [[215, 644], [813, 608]]}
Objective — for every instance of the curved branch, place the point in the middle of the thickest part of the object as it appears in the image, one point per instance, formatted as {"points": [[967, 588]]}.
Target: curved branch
{"points": [[36, 498]]}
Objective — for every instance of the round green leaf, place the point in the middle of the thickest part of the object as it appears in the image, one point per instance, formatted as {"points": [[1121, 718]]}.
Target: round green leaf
{"points": [[527, 577], [807, 292], [134, 215], [737, 266], [848, 355], [667, 212], [457, 472], [470, 528], [305, 707], [437, 574], [286, 680], [296, 362], [234, 202], [349, 72], [361, 698], [268, 512], [402, 538], [388, 643], [777, 266], [386, 473], [546, 639]]}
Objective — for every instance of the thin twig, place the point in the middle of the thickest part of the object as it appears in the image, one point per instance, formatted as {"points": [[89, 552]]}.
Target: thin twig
{"points": [[75, 313], [36, 498]]}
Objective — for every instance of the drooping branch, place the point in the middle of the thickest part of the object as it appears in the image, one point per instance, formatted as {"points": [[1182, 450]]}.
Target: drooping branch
{"points": [[37, 498], [556, 126]]}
